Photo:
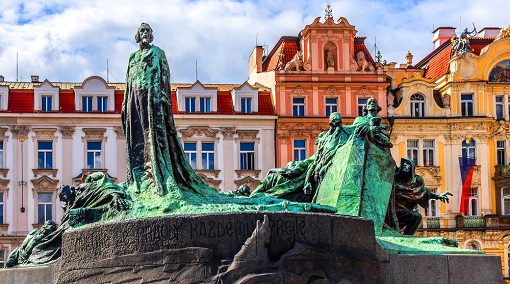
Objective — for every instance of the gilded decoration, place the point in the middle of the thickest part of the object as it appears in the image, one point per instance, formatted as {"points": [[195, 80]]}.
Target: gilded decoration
{"points": [[19, 131], [249, 181], [299, 92], [504, 33], [199, 131], [67, 131], [228, 133], [94, 134], [44, 134]]}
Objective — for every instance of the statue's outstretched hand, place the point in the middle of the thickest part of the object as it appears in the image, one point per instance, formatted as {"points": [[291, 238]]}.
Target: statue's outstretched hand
{"points": [[443, 197]]}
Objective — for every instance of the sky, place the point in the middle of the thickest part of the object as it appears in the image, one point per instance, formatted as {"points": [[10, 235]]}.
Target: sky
{"points": [[69, 41]]}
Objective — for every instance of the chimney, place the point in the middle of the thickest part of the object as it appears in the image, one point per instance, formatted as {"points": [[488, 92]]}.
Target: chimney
{"points": [[1, 78], [489, 32], [442, 34], [35, 79], [256, 59]]}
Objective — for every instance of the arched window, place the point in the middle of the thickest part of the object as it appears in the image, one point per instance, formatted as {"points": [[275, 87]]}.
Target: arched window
{"points": [[474, 245], [417, 105]]}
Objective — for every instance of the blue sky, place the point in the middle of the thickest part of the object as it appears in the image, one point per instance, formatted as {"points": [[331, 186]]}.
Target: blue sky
{"points": [[69, 41]]}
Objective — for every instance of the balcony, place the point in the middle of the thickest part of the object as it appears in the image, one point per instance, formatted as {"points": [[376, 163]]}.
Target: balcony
{"points": [[502, 171]]}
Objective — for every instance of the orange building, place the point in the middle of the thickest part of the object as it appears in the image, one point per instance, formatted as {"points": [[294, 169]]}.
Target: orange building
{"points": [[325, 68]]}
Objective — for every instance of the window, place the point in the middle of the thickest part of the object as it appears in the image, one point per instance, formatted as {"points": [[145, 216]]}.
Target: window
{"points": [[361, 104], [205, 104], [44, 207], [86, 104], [331, 105], [412, 150], [246, 105], [299, 150], [208, 155], [46, 103], [428, 153], [2, 258], [500, 112], [190, 104], [94, 155], [466, 104], [102, 104], [44, 154], [505, 201], [190, 150], [1, 154], [298, 106], [417, 105], [1, 207], [473, 201], [247, 156], [432, 209], [501, 152], [468, 149]]}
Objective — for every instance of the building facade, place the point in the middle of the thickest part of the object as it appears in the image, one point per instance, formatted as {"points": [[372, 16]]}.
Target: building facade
{"points": [[58, 133], [451, 105]]}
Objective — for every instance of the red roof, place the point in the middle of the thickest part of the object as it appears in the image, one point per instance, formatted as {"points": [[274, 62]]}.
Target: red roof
{"points": [[290, 48], [119, 98], [359, 45], [21, 100], [225, 105], [67, 101], [265, 104]]}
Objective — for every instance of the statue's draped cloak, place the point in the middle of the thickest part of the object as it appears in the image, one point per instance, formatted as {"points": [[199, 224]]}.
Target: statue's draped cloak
{"points": [[155, 158]]}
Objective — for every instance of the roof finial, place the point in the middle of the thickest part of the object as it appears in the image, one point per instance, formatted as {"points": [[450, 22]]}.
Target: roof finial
{"points": [[329, 12]]}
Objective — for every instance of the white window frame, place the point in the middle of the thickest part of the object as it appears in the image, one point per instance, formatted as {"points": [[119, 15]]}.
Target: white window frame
{"points": [[189, 153], [361, 103], [433, 209], [247, 154], [197, 90], [2, 154], [2, 207], [413, 151], [473, 197], [332, 107], [246, 104], [505, 195], [45, 151], [101, 152], [299, 106], [45, 203], [299, 152], [500, 104], [206, 103], [44, 103], [468, 147], [102, 99], [464, 103], [429, 153], [500, 152], [89, 106], [417, 102]]}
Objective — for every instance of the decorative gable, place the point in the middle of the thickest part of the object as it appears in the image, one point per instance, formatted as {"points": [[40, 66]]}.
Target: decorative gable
{"points": [[245, 98], [197, 98], [46, 97]]}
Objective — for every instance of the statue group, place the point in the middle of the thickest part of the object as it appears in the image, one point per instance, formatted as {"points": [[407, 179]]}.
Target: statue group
{"points": [[351, 173]]}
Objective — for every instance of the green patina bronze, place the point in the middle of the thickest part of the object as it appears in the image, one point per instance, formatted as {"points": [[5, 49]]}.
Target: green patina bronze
{"points": [[352, 173]]}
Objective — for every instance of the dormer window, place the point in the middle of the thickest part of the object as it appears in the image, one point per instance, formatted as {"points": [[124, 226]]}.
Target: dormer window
{"points": [[95, 95], [46, 97], [245, 98], [198, 98]]}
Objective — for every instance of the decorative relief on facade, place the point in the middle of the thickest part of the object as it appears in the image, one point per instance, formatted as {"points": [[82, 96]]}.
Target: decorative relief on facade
{"points": [[119, 132], [249, 181], [93, 134], [313, 39], [430, 175], [296, 63], [331, 91], [299, 92], [19, 131], [326, 38], [476, 181], [2, 134], [44, 184], [199, 131], [228, 132], [210, 181], [4, 186], [347, 39], [46, 172], [247, 134], [364, 92], [44, 134], [248, 173], [67, 131]]}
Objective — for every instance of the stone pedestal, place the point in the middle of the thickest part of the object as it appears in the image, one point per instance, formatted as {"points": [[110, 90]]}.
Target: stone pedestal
{"points": [[240, 248]]}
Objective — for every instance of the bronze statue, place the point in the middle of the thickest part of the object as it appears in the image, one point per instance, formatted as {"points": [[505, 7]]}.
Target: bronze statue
{"points": [[410, 191], [155, 158]]}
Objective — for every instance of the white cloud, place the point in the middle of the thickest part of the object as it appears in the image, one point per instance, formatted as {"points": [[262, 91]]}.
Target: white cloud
{"points": [[71, 40]]}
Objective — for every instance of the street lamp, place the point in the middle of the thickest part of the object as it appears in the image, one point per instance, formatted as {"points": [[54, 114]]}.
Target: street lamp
{"points": [[22, 182]]}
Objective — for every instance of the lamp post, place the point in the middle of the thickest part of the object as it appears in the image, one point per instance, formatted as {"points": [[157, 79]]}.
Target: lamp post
{"points": [[22, 182]]}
